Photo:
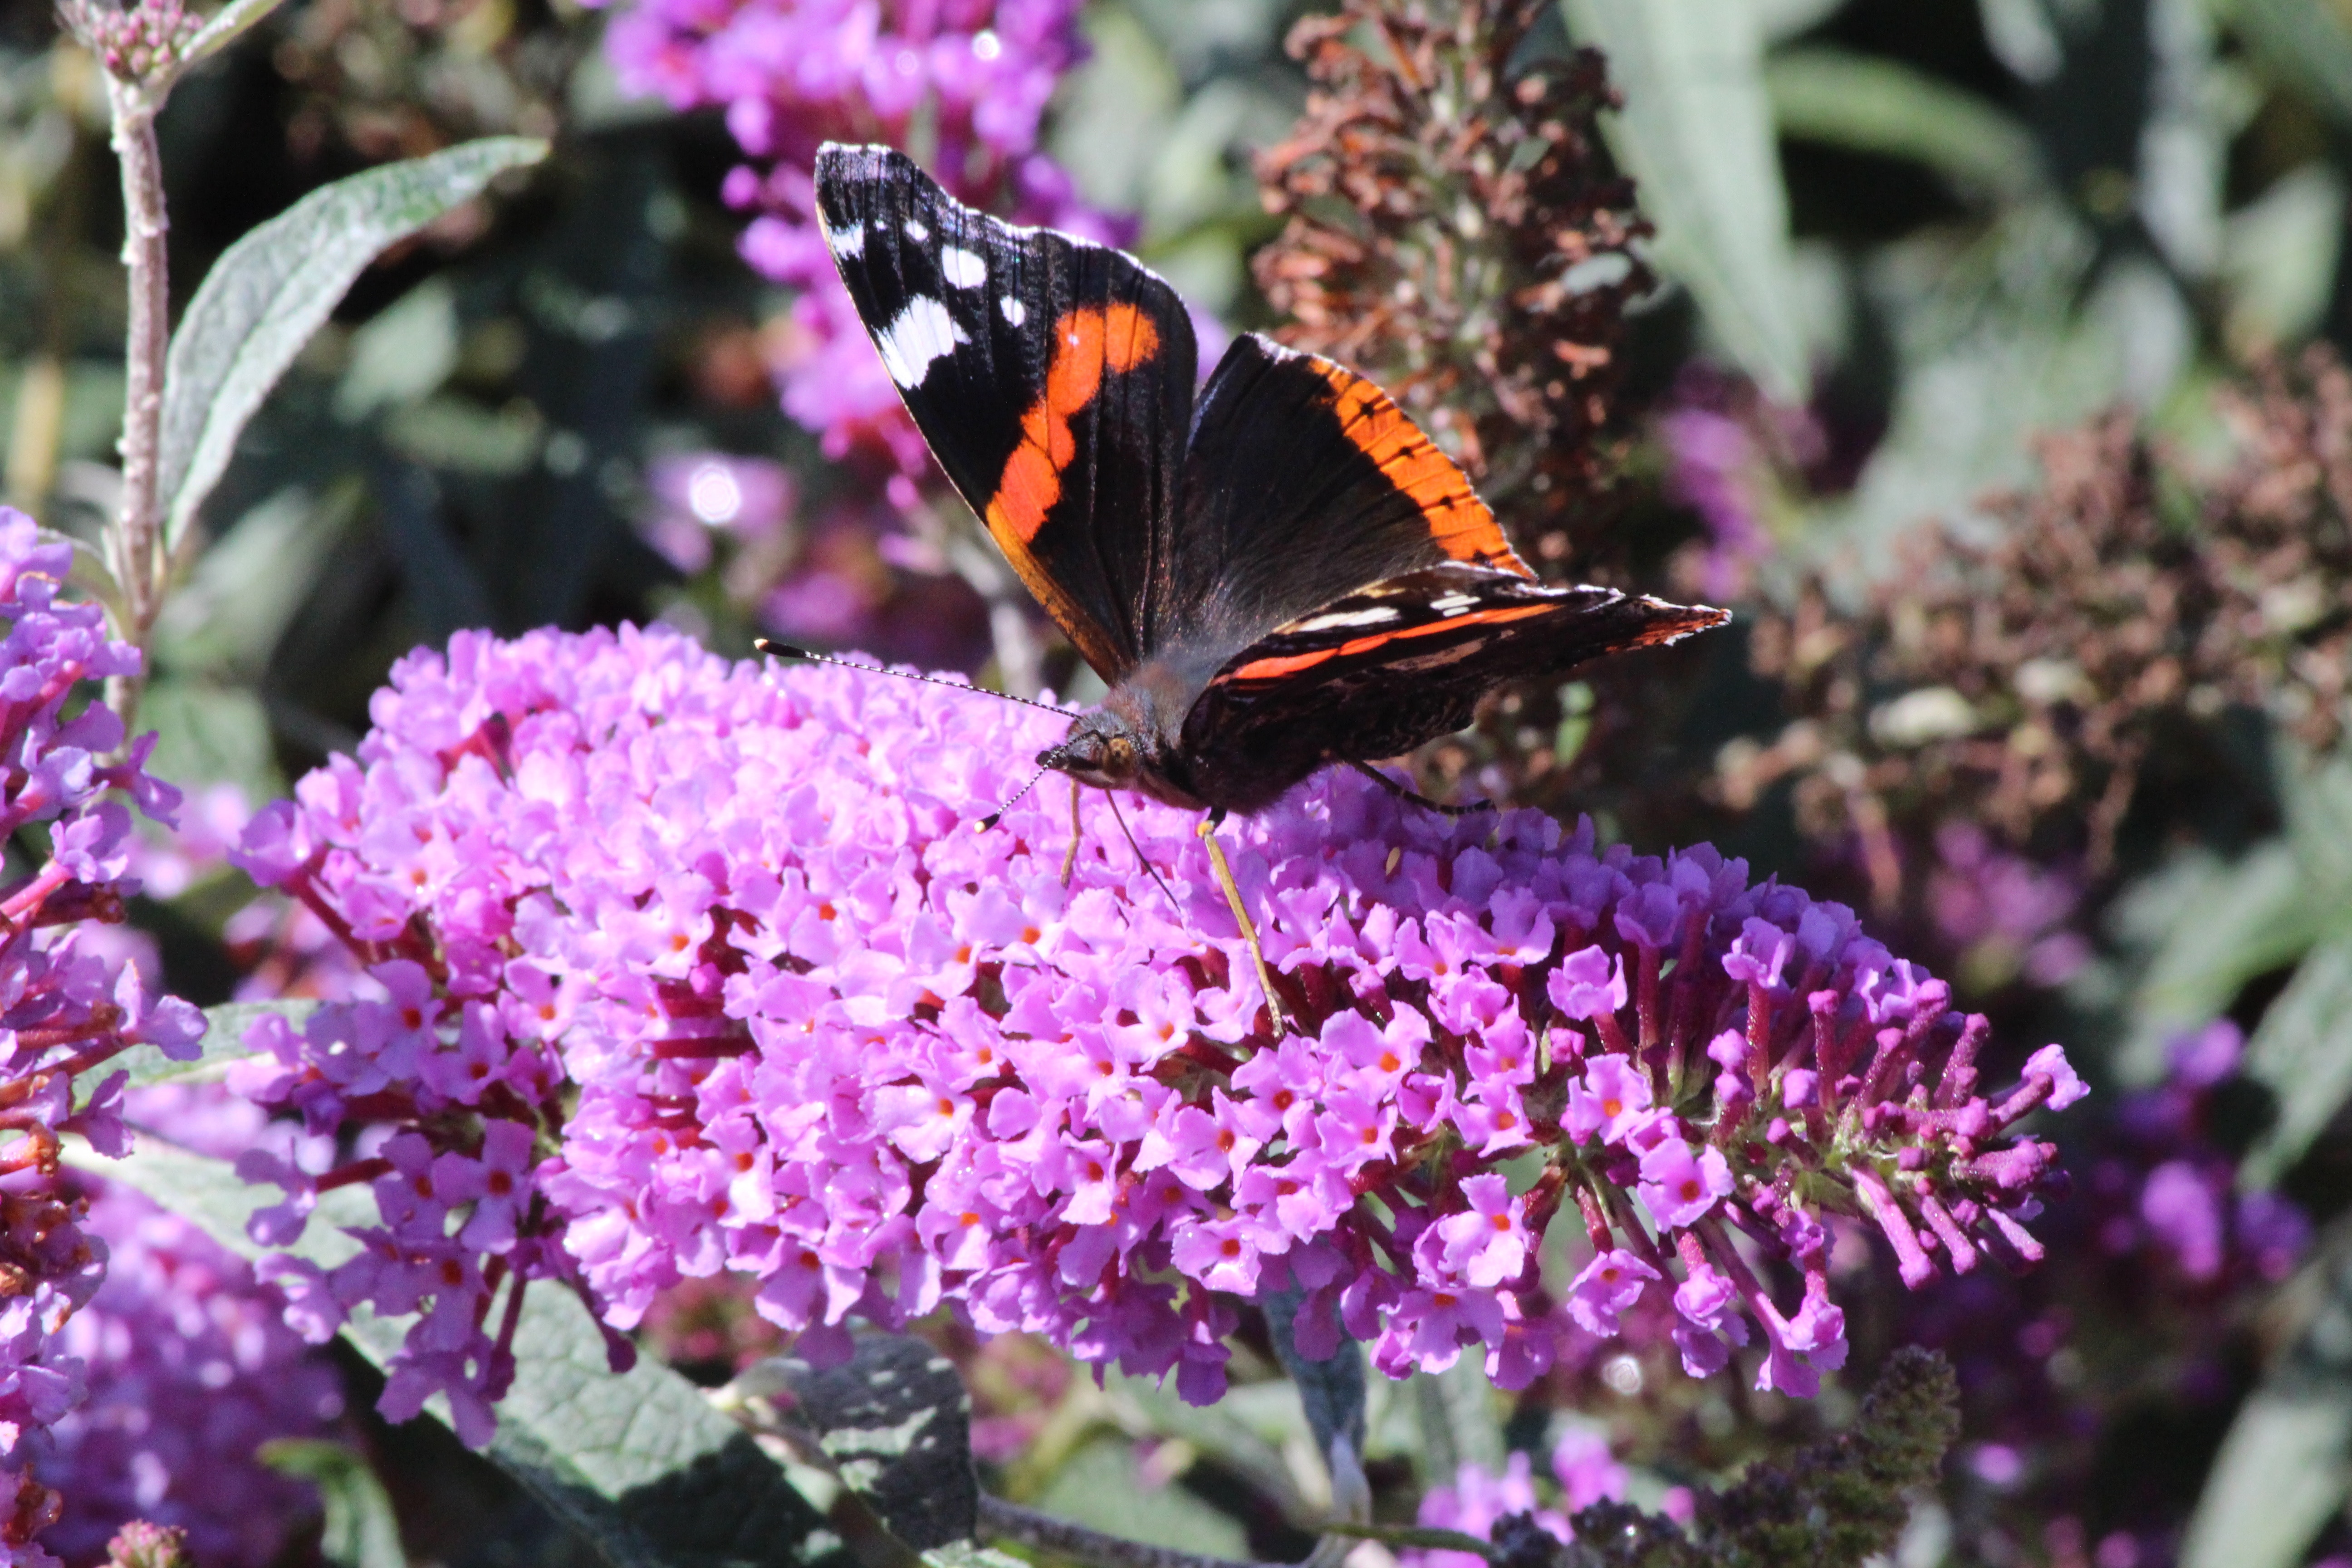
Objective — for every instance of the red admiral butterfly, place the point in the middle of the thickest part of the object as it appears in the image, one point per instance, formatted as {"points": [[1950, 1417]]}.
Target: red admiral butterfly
{"points": [[1288, 574]]}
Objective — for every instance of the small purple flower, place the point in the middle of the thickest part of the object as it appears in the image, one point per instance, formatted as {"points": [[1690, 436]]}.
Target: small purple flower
{"points": [[2065, 1088], [1589, 984], [1609, 1102], [1681, 1182], [1605, 1287]]}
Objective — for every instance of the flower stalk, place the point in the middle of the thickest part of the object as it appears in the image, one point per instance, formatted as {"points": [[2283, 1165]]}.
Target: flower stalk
{"points": [[141, 50]]}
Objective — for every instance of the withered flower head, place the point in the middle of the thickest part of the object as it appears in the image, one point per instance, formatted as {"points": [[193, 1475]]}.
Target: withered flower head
{"points": [[2039, 684], [1457, 231]]}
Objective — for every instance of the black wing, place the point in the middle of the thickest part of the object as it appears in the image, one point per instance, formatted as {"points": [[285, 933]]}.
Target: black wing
{"points": [[1404, 661], [1052, 377], [1304, 483]]}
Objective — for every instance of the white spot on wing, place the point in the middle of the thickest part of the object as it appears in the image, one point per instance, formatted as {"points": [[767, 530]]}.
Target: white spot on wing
{"points": [[1453, 603], [850, 241], [1015, 311], [962, 269], [1338, 618], [924, 332], [916, 231]]}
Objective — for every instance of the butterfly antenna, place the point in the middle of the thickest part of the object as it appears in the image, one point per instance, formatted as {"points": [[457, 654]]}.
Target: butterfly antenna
{"points": [[993, 817], [775, 650], [1121, 818]]}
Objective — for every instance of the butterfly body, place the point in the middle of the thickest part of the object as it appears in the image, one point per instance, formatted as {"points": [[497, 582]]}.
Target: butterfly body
{"points": [[1282, 574]]}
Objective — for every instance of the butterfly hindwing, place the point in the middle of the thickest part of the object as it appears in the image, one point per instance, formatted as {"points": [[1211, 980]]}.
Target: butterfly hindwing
{"points": [[1052, 377], [1379, 673], [1305, 482]]}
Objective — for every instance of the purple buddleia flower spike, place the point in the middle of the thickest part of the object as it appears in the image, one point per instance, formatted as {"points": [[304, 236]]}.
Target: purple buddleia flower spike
{"points": [[68, 1002], [714, 970]]}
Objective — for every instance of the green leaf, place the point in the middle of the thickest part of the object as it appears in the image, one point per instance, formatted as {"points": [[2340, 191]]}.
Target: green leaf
{"points": [[2213, 927], [224, 1043], [207, 731], [897, 1424], [1247, 1432], [227, 25], [2012, 333], [1780, 19], [361, 1530], [2225, 925], [1458, 1425], [271, 290], [2301, 1051], [246, 588], [1332, 1400], [2304, 42], [404, 353], [1871, 104], [1103, 1487], [1696, 134], [2283, 1468], [637, 1462], [2278, 258]]}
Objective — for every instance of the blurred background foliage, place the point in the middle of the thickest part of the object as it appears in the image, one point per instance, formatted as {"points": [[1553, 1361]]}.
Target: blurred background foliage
{"points": [[1985, 370]]}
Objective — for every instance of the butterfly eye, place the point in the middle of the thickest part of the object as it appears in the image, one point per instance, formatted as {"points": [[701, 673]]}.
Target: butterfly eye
{"points": [[1120, 755]]}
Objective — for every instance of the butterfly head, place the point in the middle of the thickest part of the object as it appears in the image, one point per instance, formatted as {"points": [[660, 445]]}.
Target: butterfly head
{"points": [[1122, 745]]}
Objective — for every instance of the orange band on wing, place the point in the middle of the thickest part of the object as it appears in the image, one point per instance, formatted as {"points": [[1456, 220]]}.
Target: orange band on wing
{"points": [[1274, 669], [1459, 523], [1087, 343]]}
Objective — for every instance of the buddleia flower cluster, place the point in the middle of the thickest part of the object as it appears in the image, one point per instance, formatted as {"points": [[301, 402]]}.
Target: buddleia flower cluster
{"points": [[191, 1368], [66, 791], [690, 967], [976, 74]]}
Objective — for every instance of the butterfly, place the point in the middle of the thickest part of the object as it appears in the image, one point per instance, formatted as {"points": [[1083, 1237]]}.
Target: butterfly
{"points": [[1280, 573]]}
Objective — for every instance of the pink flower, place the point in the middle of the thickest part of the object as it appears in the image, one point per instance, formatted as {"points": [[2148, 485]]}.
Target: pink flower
{"points": [[1680, 1181], [1605, 1287], [1610, 1101]]}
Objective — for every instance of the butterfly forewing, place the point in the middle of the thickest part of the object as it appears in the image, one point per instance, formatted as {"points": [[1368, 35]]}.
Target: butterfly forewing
{"points": [[1379, 673], [1304, 483], [1052, 377]]}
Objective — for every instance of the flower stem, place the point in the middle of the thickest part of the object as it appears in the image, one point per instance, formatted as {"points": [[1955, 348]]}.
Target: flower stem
{"points": [[1043, 1532], [134, 545]]}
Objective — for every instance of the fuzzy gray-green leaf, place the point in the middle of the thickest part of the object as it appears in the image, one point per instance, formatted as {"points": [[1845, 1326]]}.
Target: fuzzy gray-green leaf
{"points": [[2283, 1468], [1696, 134], [271, 290], [638, 1462], [361, 1530]]}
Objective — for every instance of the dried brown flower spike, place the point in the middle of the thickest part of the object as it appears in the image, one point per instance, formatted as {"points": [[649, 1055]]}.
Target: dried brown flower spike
{"points": [[2034, 686], [1457, 231]]}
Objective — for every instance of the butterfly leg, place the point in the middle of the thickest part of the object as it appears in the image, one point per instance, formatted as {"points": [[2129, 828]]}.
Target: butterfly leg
{"points": [[1208, 831], [1070, 859], [1416, 797]]}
